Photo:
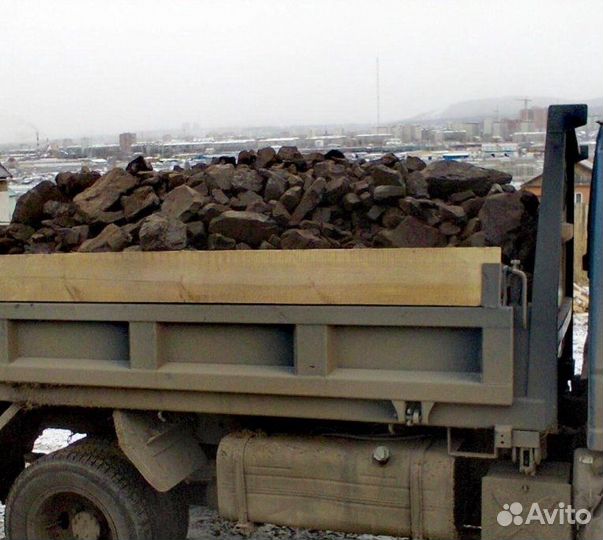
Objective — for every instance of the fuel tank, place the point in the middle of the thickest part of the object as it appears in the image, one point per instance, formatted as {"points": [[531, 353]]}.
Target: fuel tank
{"points": [[394, 487]]}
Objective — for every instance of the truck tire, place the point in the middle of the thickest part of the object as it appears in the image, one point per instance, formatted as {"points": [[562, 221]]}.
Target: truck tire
{"points": [[171, 516], [174, 516], [80, 492]]}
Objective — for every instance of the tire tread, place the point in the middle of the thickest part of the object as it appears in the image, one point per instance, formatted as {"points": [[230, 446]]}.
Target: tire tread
{"points": [[114, 471]]}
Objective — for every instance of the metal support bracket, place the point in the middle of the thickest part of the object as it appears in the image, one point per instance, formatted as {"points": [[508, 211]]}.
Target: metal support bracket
{"points": [[528, 450], [503, 436], [9, 414], [413, 413], [528, 459], [456, 444]]}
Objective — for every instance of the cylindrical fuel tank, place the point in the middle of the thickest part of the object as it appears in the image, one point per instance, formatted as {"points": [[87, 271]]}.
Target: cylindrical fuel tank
{"points": [[394, 487]]}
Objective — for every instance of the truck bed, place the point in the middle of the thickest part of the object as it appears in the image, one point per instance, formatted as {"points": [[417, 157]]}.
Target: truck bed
{"points": [[433, 276], [88, 340]]}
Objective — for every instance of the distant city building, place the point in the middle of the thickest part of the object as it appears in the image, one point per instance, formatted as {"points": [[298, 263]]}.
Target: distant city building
{"points": [[522, 169], [456, 156], [4, 195], [327, 141], [454, 135], [4, 174], [371, 138], [500, 150], [539, 117], [393, 142], [126, 141], [488, 126], [529, 137], [280, 141], [583, 171], [498, 130], [408, 133], [471, 129]]}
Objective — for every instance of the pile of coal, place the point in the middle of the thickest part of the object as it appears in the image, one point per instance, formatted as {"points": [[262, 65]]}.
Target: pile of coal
{"points": [[277, 200]]}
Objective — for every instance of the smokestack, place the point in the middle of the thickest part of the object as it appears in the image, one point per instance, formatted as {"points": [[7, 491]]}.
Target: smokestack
{"points": [[377, 70]]}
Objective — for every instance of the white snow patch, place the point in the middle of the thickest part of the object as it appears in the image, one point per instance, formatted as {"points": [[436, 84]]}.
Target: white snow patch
{"points": [[55, 439], [580, 333]]}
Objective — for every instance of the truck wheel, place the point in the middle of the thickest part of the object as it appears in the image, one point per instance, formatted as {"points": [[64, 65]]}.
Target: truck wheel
{"points": [[171, 517], [75, 494]]}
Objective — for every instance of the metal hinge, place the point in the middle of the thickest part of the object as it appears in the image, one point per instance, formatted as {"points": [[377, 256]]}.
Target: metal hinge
{"points": [[528, 459], [413, 413], [528, 449]]}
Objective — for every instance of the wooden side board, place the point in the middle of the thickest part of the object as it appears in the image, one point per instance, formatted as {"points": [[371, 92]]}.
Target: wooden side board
{"points": [[438, 276]]}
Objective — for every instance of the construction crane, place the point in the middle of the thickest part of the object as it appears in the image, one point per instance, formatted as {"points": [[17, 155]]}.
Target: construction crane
{"points": [[525, 109]]}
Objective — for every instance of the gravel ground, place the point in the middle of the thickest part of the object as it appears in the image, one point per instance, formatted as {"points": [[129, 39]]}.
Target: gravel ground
{"points": [[206, 524]]}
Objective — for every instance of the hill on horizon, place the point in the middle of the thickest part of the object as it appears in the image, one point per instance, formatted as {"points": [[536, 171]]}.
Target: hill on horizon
{"points": [[509, 106]]}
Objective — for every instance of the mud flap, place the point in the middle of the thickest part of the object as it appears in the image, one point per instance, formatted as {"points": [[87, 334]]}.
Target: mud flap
{"points": [[165, 451]]}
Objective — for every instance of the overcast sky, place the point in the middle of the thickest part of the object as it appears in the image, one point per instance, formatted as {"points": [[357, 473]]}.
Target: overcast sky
{"points": [[77, 67]]}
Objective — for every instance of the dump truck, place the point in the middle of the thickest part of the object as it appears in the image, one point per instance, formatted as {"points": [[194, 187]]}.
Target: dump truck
{"points": [[423, 393]]}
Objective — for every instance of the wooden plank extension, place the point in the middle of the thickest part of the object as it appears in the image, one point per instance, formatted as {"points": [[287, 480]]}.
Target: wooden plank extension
{"points": [[438, 276]]}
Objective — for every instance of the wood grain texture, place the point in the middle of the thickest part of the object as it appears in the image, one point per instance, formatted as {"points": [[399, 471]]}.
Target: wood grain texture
{"points": [[438, 276]]}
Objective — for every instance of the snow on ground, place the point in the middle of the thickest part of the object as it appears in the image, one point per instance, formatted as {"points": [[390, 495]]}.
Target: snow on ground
{"points": [[206, 524], [53, 439], [580, 331]]}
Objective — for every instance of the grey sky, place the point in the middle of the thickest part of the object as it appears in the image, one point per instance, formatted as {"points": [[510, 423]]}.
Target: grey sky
{"points": [[77, 67]]}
